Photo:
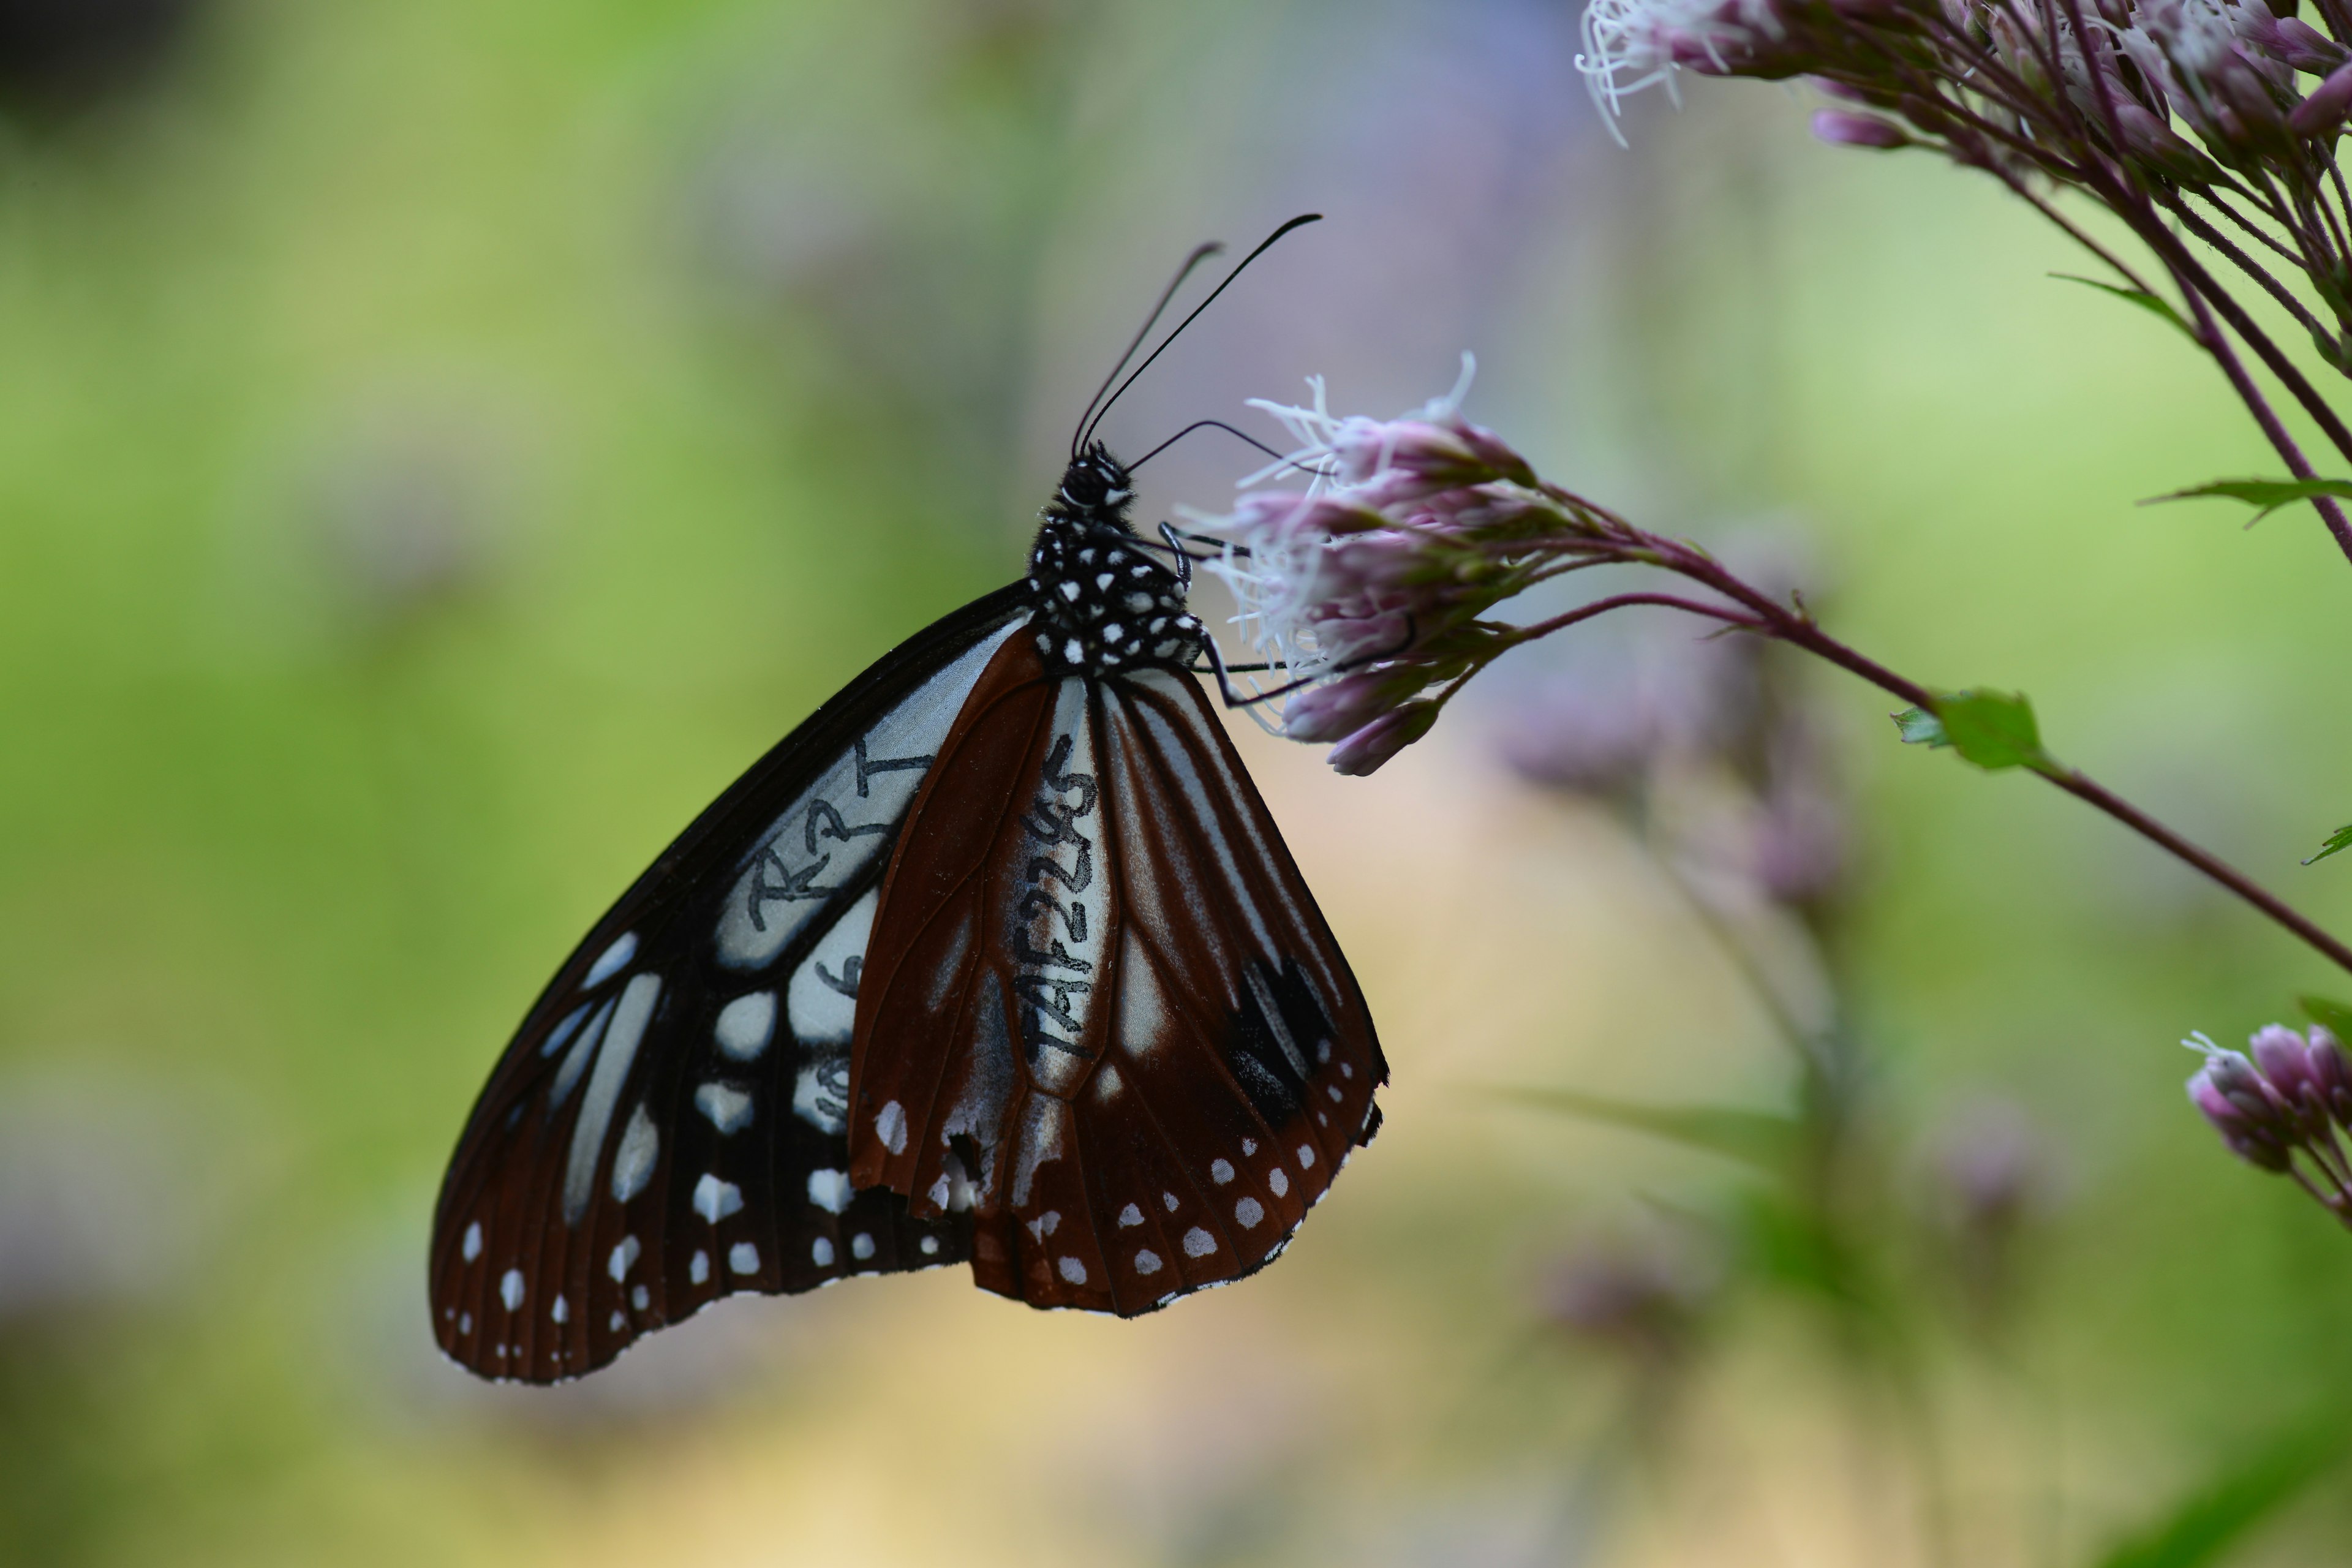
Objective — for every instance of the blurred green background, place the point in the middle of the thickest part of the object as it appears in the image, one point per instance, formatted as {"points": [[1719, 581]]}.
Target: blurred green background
{"points": [[441, 443]]}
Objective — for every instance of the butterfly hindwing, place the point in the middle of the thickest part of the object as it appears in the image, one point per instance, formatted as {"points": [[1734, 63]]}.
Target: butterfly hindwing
{"points": [[1105, 1016], [669, 1125]]}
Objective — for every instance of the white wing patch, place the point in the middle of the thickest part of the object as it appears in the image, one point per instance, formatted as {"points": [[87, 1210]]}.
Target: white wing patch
{"points": [[822, 1000], [612, 1071], [745, 1026], [610, 962], [832, 832]]}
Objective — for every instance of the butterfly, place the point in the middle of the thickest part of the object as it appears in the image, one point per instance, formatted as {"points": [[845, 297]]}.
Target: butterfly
{"points": [[999, 959]]}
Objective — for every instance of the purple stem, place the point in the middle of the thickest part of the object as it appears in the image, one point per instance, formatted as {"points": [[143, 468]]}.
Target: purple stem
{"points": [[1777, 620], [2217, 344]]}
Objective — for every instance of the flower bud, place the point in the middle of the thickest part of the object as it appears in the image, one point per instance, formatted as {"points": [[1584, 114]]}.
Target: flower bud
{"points": [[2248, 1137], [2321, 115], [1839, 128], [2161, 150], [1365, 750], [2331, 1069], [1335, 709], [2307, 49]]}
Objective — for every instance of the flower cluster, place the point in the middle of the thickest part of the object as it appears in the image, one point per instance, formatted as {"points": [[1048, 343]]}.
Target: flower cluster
{"points": [[1366, 587], [2218, 117], [2281, 1109]]}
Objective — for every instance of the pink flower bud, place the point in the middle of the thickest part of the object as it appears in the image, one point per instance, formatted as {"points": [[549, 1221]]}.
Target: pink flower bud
{"points": [[2250, 1138], [1364, 752], [2321, 115], [1336, 709], [1840, 128], [2307, 49], [2332, 1070], [2162, 150]]}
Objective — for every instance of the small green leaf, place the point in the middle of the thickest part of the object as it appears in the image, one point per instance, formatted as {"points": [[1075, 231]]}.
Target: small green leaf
{"points": [[2265, 494], [1754, 1137], [1920, 728], [2141, 297], [2335, 1015], [2203, 1527], [1993, 729], [2339, 840]]}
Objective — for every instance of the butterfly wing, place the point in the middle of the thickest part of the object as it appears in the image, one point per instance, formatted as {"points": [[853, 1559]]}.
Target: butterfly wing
{"points": [[668, 1126], [1101, 1013]]}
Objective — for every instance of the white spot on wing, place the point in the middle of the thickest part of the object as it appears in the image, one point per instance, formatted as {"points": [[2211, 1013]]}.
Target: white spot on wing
{"points": [[1307, 1156], [1130, 1217], [624, 1258], [1279, 1181], [745, 1026], [728, 1108], [465, 1322], [743, 1258], [929, 1245], [561, 1310], [1248, 1211], [1072, 1270], [697, 1267], [562, 1031], [821, 1013], [1249, 1145], [714, 1200], [1199, 1243], [510, 1289], [890, 1126], [817, 1099], [1221, 1171], [640, 1297], [1169, 1201], [619, 1322], [608, 962], [1147, 1262], [821, 1252], [612, 1071], [861, 1246], [829, 1190], [575, 1060], [472, 1247], [633, 1162]]}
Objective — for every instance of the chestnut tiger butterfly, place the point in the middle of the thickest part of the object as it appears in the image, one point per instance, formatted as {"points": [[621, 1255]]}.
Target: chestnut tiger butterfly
{"points": [[998, 959]]}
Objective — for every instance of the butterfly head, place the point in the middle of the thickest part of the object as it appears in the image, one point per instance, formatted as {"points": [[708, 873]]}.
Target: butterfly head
{"points": [[1103, 604]]}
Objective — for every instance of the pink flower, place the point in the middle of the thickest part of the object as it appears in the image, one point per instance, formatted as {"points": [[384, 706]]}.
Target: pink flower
{"points": [[1364, 752]]}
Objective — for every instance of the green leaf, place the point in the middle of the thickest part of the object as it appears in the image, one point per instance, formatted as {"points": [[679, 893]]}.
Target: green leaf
{"points": [[1753, 1137], [1993, 729], [2339, 840], [2204, 1525], [2335, 1015], [2265, 494], [1920, 728], [2141, 297]]}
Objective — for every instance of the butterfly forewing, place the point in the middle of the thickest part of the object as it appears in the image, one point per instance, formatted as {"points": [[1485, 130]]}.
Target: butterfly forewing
{"points": [[669, 1125], [1102, 1015]]}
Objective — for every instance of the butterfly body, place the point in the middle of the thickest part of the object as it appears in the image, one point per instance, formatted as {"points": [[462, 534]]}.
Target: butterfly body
{"points": [[998, 958]]}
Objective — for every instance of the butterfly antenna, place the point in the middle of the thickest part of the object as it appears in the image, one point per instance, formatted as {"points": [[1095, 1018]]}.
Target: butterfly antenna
{"points": [[1207, 425], [1087, 428], [1200, 253]]}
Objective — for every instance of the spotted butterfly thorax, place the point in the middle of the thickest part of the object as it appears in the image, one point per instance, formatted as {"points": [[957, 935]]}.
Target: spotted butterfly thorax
{"points": [[1102, 603], [999, 958]]}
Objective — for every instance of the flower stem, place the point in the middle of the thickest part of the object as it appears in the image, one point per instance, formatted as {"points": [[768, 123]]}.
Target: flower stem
{"points": [[1799, 630]]}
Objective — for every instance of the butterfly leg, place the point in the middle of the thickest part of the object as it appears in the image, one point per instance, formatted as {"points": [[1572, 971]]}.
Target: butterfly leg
{"points": [[1218, 667]]}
